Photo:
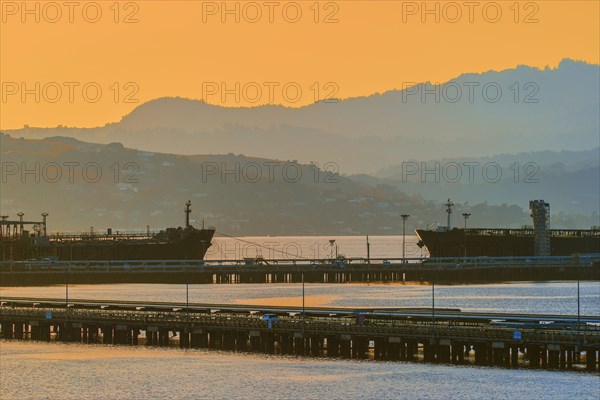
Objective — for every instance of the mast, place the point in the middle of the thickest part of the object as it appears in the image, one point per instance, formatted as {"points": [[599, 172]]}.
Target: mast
{"points": [[44, 215], [449, 206], [188, 210]]}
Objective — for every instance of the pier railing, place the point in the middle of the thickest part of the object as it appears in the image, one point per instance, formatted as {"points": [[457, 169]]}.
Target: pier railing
{"points": [[566, 334], [291, 264]]}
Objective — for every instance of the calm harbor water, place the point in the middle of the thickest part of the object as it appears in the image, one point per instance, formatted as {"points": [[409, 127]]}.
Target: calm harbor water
{"points": [[60, 371], [518, 297], [72, 371], [312, 247]]}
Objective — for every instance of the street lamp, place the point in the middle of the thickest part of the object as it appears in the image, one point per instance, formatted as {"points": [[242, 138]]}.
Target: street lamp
{"points": [[187, 290], [66, 304], [303, 306], [303, 315], [67, 288], [433, 301], [404, 218], [466, 216], [578, 314], [187, 293]]}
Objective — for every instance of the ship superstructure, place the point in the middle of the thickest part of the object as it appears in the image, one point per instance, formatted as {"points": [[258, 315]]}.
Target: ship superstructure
{"points": [[538, 240]]}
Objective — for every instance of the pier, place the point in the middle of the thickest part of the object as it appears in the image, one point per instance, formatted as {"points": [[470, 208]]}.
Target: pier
{"points": [[259, 270], [448, 336]]}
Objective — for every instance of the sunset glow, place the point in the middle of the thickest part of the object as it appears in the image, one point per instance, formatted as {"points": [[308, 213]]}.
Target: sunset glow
{"points": [[183, 48]]}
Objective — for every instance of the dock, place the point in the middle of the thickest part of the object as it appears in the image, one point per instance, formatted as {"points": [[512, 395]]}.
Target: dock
{"points": [[259, 270], [447, 336]]}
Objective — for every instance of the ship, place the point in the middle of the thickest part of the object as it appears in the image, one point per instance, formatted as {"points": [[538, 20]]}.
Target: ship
{"points": [[181, 243], [535, 240]]}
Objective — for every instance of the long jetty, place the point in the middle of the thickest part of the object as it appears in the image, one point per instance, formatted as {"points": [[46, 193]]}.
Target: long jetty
{"points": [[259, 270], [561, 342]]}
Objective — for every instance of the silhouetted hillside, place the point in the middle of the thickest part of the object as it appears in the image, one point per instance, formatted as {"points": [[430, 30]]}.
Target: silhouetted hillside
{"points": [[84, 184]]}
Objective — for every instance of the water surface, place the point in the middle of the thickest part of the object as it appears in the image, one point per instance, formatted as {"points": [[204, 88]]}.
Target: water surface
{"points": [[73, 371], [517, 297]]}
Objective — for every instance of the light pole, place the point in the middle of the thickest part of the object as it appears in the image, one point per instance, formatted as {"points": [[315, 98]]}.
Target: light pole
{"points": [[404, 218], [303, 314], [303, 298], [187, 292], [331, 243], [465, 216], [578, 313], [66, 305], [433, 301]]}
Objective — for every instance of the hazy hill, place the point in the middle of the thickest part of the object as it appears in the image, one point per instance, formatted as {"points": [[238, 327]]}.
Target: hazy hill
{"points": [[568, 180], [237, 194], [550, 109]]}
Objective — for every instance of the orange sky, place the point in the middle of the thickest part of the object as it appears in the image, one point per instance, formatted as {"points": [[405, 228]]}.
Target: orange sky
{"points": [[177, 48]]}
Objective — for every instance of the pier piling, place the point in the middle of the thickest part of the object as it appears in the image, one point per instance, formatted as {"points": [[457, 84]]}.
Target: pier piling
{"points": [[317, 334]]}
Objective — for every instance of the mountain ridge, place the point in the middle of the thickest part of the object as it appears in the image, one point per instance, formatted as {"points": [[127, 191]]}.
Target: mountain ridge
{"points": [[537, 109]]}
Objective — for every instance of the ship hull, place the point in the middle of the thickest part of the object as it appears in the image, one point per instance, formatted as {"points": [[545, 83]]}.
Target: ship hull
{"points": [[503, 243], [191, 244]]}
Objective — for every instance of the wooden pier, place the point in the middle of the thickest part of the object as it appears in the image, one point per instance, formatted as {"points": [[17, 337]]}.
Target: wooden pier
{"points": [[455, 270], [449, 336]]}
